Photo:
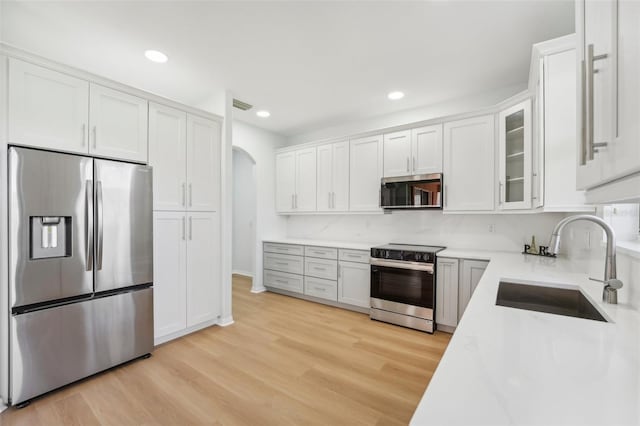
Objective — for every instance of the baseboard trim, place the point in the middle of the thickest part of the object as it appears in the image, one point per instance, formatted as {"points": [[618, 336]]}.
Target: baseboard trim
{"points": [[243, 273], [226, 321], [180, 333], [308, 298], [258, 290]]}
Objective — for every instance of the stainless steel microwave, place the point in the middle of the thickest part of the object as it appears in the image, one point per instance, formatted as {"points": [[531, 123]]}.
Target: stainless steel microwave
{"points": [[412, 192]]}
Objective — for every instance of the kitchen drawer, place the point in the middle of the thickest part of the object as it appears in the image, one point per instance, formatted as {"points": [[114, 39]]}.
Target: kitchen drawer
{"points": [[321, 252], [321, 268], [284, 281], [360, 256], [284, 263], [317, 287], [284, 249]]}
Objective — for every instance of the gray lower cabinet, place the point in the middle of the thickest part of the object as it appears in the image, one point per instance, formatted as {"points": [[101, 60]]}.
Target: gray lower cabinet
{"points": [[447, 292], [322, 273], [318, 287], [456, 280], [354, 284]]}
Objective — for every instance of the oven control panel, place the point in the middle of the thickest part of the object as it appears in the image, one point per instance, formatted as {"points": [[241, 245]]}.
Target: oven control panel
{"points": [[403, 255]]}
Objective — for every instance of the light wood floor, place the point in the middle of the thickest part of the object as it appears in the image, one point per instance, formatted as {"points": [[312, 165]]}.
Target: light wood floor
{"points": [[284, 361]]}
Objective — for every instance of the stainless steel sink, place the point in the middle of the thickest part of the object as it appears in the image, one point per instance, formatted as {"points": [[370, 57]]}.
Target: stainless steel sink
{"points": [[552, 300]]}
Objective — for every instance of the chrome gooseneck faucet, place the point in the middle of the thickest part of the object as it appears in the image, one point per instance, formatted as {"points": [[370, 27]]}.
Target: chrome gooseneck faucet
{"points": [[611, 283]]}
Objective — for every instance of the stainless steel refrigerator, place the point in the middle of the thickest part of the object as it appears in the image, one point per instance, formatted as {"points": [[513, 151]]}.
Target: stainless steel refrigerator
{"points": [[80, 268]]}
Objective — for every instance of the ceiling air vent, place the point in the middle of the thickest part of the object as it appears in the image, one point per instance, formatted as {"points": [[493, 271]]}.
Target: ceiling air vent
{"points": [[241, 105]]}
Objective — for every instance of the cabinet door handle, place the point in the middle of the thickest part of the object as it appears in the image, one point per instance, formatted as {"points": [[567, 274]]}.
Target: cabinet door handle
{"points": [[184, 227], [339, 271], [500, 194], [95, 137], [190, 195], [583, 112], [590, 71], [407, 164], [191, 227], [184, 194]]}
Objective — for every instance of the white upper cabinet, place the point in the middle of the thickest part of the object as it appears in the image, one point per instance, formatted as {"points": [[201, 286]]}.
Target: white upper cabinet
{"points": [[340, 199], [515, 157], [365, 172], [595, 25], [626, 146], [203, 267], [426, 150], [118, 123], [305, 194], [296, 180], [203, 164], [413, 152], [168, 156], [468, 164], [333, 177], [559, 132], [397, 154], [285, 181], [47, 109]]}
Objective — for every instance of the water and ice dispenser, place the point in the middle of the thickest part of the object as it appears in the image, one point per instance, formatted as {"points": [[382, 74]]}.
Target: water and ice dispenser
{"points": [[50, 236]]}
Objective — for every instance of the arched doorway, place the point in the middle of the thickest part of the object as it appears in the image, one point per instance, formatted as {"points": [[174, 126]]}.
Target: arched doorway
{"points": [[244, 214]]}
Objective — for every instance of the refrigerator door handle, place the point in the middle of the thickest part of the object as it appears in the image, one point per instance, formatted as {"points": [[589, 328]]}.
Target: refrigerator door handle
{"points": [[100, 225], [89, 224]]}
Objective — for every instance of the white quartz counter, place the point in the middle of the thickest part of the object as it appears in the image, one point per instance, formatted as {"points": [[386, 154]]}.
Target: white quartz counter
{"points": [[320, 243], [508, 366]]}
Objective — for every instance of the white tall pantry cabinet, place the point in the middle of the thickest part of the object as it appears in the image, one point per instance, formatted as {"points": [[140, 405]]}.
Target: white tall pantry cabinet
{"points": [[184, 151]]}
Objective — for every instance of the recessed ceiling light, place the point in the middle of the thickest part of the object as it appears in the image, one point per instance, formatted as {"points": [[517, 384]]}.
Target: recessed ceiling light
{"points": [[394, 96], [263, 113], [156, 56]]}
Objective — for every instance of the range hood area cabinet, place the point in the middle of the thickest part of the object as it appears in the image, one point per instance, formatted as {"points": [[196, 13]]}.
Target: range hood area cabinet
{"points": [[413, 152], [608, 42], [53, 110]]}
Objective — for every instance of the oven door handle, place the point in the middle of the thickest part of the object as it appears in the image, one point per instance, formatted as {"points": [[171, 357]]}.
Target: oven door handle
{"points": [[414, 266]]}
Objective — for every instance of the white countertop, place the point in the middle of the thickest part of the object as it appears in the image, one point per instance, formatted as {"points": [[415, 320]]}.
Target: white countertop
{"points": [[320, 243], [507, 366]]}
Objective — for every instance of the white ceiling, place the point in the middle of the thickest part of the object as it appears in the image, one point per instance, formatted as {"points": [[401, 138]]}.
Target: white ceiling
{"points": [[312, 64]]}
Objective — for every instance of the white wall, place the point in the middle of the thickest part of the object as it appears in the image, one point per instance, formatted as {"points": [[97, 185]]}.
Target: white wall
{"points": [[456, 106], [261, 145], [244, 213]]}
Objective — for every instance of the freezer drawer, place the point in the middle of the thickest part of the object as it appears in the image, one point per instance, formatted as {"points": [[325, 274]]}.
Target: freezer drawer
{"points": [[56, 346]]}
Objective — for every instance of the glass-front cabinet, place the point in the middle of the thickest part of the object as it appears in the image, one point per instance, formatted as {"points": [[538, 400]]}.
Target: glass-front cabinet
{"points": [[515, 157]]}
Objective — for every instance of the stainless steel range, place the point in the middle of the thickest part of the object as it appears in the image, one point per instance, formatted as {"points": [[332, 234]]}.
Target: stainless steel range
{"points": [[403, 285]]}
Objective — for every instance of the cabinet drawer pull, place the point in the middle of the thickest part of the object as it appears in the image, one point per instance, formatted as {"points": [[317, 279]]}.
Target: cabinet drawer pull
{"points": [[282, 263], [319, 288], [319, 269], [282, 281], [354, 255]]}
